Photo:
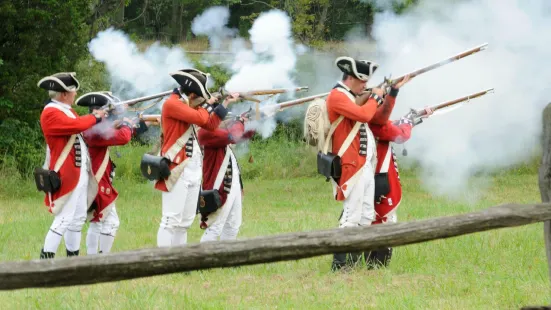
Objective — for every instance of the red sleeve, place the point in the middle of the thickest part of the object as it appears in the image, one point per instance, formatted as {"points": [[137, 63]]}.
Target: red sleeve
{"points": [[176, 109], [221, 137], [390, 132], [382, 115], [119, 136], [56, 123], [342, 105], [248, 134]]}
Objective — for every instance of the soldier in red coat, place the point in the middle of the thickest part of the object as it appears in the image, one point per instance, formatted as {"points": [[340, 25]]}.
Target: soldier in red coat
{"points": [[104, 221], [349, 112], [388, 190], [67, 155], [189, 106], [221, 171]]}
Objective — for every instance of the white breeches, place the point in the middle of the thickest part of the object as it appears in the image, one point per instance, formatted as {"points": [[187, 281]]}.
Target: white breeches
{"points": [[73, 214], [359, 206], [180, 204], [109, 222], [102, 234], [225, 222]]}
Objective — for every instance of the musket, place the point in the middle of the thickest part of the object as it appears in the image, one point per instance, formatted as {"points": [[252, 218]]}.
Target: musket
{"points": [[417, 72], [422, 112], [113, 105], [222, 93], [149, 117], [290, 103], [436, 65], [274, 108]]}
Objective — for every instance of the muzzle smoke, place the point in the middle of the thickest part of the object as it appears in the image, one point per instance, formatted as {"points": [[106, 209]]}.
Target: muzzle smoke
{"points": [[268, 63], [133, 73], [489, 133]]}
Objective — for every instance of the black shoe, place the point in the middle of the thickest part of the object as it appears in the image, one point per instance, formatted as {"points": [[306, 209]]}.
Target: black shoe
{"points": [[370, 259], [72, 253], [353, 259], [339, 261], [382, 257], [46, 255]]}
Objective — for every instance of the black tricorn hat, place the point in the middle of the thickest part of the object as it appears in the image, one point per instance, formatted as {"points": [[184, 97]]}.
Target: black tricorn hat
{"points": [[192, 81], [95, 99], [60, 82], [360, 69]]}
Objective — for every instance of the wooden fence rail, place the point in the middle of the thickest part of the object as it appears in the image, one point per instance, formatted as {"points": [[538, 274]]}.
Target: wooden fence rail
{"points": [[158, 261]]}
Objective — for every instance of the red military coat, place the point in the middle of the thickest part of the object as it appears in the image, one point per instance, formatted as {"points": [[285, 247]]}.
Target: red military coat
{"points": [[214, 145], [98, 144], [58, 127], [384, 135], [176, 118], [341, 102]]}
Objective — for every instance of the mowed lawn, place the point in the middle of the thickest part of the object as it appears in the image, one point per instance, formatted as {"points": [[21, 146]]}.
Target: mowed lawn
{"points": [[500, 269]]}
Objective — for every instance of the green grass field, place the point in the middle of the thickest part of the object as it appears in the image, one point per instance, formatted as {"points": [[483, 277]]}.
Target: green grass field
{"points": [[500, 269]]}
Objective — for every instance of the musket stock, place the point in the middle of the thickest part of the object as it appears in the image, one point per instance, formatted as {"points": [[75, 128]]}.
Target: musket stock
{"points": [[150, 117], [437, 65]]}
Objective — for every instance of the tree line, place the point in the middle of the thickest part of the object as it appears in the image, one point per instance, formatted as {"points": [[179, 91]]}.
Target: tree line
{"points": [[41, 37]]}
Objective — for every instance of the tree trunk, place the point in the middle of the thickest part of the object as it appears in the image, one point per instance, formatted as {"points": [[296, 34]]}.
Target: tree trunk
{"points": [[176, 22], [120, 13], [320, 29]]}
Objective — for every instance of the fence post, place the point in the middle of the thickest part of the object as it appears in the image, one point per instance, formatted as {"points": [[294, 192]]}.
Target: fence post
{"points": [[545, 178]]}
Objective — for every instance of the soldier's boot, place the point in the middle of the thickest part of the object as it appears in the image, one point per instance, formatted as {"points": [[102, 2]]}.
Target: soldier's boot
{"points": [[353, 259], [46, 255], [383, 257], [369, 257], [72, 253], [339, 261]]}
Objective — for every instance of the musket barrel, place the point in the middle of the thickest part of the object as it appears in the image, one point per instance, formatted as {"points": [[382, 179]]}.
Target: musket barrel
{"points": [[150, 117], [456, 101], [274, 91], [441, 63], [145, 98], [291, 103]]}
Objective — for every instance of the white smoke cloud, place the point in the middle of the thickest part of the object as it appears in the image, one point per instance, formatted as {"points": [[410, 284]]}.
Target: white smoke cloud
{"points": [[491, 132], [133, 73], [212, 23], [271, 60], [269, 63]]}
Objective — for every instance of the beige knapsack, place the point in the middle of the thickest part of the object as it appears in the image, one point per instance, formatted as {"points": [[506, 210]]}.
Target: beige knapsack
{"points": [[316, 123]]}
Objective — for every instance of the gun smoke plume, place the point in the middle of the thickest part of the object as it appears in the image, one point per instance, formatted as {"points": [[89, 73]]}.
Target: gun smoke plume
{"points": [[268, 63], [489, 133], [133, 73]]}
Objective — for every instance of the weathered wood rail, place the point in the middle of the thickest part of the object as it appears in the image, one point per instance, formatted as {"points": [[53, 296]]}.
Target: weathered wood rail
{"points": [[158, 261]]}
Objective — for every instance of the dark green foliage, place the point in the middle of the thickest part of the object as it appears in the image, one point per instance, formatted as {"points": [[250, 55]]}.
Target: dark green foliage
{"points": [[42, 37]]}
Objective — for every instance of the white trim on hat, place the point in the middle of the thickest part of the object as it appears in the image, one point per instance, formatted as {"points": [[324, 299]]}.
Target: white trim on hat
{"points": [[56, 79], [372, 66], [203, 89], [94, 93], [355, 72]]}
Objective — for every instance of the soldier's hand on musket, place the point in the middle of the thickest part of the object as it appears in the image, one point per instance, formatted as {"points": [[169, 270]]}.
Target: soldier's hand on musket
{"points": [[233, 97], [428, 112], [100, 113], [378, 91], [406, 79], [212, 100]]}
